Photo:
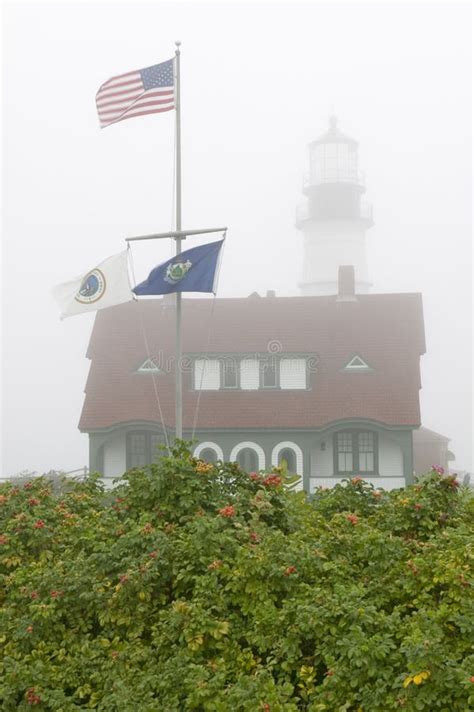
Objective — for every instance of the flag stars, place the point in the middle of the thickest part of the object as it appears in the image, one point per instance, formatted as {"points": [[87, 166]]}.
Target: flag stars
{"points": [[160, 75]]}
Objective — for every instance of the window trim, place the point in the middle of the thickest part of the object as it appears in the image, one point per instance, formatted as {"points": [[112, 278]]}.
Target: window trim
{"points": [[236, 362], [354, 433], [261, 369]]}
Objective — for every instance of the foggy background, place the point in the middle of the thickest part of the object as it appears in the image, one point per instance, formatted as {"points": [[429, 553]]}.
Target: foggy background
{"points": [[259, 82]]}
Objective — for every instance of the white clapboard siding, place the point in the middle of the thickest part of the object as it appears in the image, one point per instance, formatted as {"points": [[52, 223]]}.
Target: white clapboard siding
{"points": [[390, 457], [292, 373], [249, 374], [115, 460], [207, 375]]}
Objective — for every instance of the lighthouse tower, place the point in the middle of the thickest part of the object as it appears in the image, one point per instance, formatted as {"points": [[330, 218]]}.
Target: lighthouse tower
{"points": [[334, 220]]}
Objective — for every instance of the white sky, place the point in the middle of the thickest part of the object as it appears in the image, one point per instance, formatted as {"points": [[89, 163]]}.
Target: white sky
{"points": [[258, 83]]}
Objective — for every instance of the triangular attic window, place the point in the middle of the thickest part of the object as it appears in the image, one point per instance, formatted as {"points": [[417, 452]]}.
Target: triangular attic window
{"points": [[357, 363], [149, 366]]}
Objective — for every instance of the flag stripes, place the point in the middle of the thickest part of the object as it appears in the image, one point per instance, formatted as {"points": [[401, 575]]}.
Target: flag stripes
{"points": [[146, 91]]}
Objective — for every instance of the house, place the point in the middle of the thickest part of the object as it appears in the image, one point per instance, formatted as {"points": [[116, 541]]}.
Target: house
{"points": [[430, 449], [328, 381]]}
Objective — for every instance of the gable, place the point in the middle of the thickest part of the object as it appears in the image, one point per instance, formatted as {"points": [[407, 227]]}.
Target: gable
{"points": [[357, 363], [149, 366]]}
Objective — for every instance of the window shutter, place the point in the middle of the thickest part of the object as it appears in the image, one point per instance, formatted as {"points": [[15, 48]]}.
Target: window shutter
{"points": [[207, 375], [293, 373], [249, 374]]}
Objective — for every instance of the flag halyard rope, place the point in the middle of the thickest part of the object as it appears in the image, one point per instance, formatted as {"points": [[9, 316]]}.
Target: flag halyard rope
{"points": [[209, 335], [148, 355]]}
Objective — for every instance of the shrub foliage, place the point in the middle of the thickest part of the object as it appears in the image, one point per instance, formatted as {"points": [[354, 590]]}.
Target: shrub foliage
{"points": [[201, 587]]}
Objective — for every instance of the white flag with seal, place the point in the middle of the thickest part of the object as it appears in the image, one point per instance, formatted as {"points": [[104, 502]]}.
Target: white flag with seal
{"points": [[106, 285]]}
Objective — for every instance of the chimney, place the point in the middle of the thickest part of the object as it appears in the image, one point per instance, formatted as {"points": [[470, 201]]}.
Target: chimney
{"points": [[346, 284]]}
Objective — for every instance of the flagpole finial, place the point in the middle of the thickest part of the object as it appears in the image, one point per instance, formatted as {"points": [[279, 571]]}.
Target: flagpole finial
{"points": [[178, 43]]}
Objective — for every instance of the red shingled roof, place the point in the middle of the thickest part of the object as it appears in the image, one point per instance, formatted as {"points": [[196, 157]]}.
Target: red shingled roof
{"points": [[386, 330]]}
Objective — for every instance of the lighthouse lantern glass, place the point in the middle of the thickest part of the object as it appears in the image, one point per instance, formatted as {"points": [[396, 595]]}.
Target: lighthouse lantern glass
{"points": [[333, 162]]}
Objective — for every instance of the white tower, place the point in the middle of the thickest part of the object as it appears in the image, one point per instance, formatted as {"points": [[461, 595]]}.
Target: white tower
{"points": [[334, 220]]}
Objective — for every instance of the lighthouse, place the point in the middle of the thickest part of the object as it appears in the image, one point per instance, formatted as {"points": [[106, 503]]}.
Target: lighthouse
{"points": [[334, 219]]}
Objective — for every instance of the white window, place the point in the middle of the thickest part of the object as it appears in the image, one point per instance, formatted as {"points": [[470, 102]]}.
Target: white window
{"points": [[293, 373], [207, 374]]}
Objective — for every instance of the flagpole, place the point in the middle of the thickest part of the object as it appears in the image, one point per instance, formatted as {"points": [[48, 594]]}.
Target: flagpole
{"points": [[178, 372]]}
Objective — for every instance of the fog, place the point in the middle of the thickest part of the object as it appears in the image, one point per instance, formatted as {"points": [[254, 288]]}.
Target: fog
{"points": [[259, 81]]}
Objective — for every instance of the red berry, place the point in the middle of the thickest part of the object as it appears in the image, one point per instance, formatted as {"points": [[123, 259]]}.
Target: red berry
{"points": [[272, 481], [31, 697], [228, 511]]}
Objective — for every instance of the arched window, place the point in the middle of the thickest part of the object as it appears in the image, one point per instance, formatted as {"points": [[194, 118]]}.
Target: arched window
{"points": [[208, 454], [249, 455], [248, 459], [209, 451], [292, 454], [289, 456]]}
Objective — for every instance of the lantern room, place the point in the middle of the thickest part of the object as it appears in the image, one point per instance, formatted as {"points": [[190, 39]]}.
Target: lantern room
{"points": [[334, 185], [333, 157]]}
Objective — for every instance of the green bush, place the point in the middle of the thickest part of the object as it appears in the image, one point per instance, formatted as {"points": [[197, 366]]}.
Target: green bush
{"points": [[201, 587]]}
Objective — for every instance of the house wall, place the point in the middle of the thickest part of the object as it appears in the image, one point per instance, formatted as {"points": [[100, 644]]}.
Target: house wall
{"points": [[428, 453], [115, 456], [390, 460], [390, 457], [314, 451]]}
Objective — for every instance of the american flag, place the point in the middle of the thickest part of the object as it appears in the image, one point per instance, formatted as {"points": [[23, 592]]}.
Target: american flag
{"points": [[145, 91]]}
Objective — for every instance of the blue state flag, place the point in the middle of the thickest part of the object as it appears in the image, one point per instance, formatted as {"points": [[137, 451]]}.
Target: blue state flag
{"points": [[195, 270]]}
